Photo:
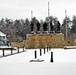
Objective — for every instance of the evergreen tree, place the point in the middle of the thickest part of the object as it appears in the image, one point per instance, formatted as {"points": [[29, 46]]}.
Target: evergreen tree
{"points": [[73, 27]]}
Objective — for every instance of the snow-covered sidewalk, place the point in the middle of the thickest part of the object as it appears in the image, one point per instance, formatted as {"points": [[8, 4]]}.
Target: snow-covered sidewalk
{"points": [[64, 63], [59, 55]]}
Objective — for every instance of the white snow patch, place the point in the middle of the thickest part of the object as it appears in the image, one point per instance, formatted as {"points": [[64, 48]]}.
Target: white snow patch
{"points": [[64, 63]]}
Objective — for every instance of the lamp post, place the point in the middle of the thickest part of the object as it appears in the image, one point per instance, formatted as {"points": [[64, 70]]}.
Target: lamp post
{"points": [[68, 22], [48, 18]]}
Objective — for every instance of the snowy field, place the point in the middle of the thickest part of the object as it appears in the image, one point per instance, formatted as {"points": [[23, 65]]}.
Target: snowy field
{"points": [[18, 64]]}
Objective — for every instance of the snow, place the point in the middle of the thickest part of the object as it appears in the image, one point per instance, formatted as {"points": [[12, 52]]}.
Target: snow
{"points": [[18, 64], [2, 34]]}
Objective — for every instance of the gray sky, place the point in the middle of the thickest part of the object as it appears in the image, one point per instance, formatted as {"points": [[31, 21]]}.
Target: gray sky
{"points": [[17, 9]]}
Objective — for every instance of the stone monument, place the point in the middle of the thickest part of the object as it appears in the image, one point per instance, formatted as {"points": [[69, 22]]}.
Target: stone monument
{"points": [[38, 27], [51, 27], [58, 27]]}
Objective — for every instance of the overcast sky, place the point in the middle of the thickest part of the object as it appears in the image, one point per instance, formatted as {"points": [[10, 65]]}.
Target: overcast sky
{"points": [[17, 9]]}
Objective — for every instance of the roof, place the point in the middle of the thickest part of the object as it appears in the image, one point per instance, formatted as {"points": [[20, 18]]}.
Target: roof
{"points": [[2, 34]]}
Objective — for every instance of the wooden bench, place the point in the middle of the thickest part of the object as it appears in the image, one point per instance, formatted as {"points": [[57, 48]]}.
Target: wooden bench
{"points": [[7, 48], [70, 47]]}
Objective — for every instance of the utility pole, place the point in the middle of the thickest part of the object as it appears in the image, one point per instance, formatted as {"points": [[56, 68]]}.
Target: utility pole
{"points": [[31, 15], [66, 26], [48, 18]]}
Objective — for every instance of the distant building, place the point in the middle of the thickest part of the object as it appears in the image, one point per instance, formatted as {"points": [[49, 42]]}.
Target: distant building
{"points": [[3, 38]]}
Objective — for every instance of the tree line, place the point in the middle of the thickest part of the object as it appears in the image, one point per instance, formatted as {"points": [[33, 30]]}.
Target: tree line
{"points": [[16, 30]]}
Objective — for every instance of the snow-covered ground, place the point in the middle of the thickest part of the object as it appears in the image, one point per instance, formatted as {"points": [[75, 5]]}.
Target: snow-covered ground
{"points": [[18, 64]]}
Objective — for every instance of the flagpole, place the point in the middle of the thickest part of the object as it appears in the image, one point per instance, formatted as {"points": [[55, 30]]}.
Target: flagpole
{"points": [[48, 18], [31, 15], [66, 25]]}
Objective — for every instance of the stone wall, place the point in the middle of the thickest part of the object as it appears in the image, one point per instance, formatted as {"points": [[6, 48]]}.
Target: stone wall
{"points": [[34, 41]]}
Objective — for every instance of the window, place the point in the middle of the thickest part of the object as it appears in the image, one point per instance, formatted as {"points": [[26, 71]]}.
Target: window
{"points": [[3, 37]]}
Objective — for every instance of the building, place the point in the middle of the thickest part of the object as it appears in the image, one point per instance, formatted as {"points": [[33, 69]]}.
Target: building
{"points": [[3, 38]]}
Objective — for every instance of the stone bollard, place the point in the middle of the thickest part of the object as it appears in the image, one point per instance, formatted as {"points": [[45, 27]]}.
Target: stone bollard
{"points": [[35, 54], [44, 50], [51, 57], [40, 52], [47, 49]]}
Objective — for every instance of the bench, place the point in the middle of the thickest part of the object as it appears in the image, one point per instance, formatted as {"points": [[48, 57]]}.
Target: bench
{"points": [[7, 48], [70, 47]]}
